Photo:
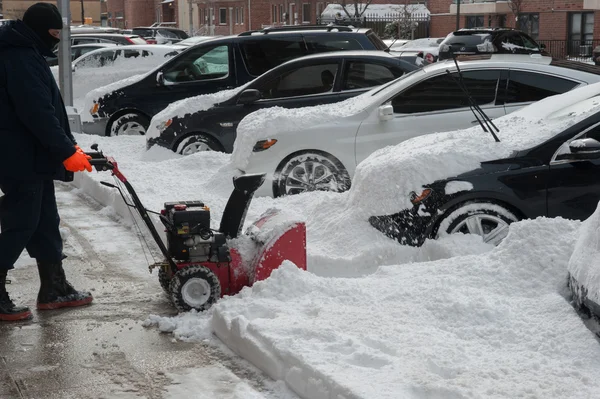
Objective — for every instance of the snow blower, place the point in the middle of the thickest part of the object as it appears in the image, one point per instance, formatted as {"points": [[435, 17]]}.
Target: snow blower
{"points": [[200, 264]]}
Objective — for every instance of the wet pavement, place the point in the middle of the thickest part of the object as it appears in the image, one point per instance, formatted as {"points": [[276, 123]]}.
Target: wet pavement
{"points": [[103, 351]]}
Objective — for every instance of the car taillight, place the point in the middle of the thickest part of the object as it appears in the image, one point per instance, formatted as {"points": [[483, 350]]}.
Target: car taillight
{"points": [[151, 41], [129, 40]]}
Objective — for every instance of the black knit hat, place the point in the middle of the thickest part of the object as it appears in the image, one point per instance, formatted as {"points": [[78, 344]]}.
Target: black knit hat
{"points": [[41, 17]]}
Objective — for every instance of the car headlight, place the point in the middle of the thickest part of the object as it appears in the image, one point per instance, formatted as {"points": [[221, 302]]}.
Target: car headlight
{"points": [[416, 199], [263, 145], [164, 125]]}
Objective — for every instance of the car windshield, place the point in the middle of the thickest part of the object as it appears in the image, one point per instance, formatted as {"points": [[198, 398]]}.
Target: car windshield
{"points": [[420, 43], [143, 32], [376, 40], [468, 38]]}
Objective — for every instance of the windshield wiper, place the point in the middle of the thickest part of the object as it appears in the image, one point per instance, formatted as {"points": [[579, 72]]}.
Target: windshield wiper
{"points": [[484, 121]]}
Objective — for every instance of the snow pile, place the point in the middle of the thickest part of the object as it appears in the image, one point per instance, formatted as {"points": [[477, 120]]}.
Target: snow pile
{"points": [[374, 10], [382, 183], [491, 325], [268, 122], [584, 265], [187, 106]]}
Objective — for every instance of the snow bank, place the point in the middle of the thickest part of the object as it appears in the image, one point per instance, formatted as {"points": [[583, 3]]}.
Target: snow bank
{"points": [[495, 325], [187, 106], [585, 263], [382, 183], [273, 121]]}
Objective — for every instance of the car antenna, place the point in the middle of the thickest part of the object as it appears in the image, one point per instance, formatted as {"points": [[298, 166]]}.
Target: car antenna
{"points": [[390, 46], [475, 108]]}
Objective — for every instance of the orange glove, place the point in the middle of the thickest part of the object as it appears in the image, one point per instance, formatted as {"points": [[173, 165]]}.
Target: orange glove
{"points": [[78, 162], [78, 148]]}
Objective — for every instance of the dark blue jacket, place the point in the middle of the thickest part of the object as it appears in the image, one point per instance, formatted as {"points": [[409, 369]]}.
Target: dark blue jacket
{"points": [[35, 137]]}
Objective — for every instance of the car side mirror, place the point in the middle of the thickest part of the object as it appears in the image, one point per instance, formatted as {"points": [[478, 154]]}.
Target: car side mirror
{"points": [[582, 149], [249, 96], [160, 79], [386, 113]]}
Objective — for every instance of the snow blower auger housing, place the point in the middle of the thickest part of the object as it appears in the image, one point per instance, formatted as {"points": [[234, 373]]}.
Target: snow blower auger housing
{"points": [[201, 264]]}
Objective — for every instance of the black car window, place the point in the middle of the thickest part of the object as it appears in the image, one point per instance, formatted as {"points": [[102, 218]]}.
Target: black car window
{"points": [[529, 43], [167, 33], [467, 39], [97, 60], [360, 75], [442, 92], [77, 41], [262, 55], [327, 43], [200, 63], [525, 86], [143, 32], [510, 42], [303, 81]]}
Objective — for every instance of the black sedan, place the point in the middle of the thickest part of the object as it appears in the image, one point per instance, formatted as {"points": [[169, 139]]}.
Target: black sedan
{"points": [[312, 80], [558, 178]]}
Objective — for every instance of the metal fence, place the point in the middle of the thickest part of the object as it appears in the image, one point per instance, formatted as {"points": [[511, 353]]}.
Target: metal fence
{"points": [[398, 25], [577, 50]]}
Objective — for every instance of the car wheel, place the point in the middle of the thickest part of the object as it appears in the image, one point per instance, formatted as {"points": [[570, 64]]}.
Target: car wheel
{"points": [[197, 143], [486, 219], [130, 124], [310, 171]]}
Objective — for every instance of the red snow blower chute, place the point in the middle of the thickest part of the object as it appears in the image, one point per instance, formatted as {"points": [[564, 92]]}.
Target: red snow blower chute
{"points": [[201, 264]]}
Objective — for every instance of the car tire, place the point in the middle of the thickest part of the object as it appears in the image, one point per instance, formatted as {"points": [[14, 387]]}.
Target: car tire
{"points": [[310, 171], [197, 142], [129, 124], [484, 218], [194, 287]]}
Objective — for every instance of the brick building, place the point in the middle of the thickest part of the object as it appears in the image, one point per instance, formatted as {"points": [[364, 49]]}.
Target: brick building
{"points": [[14, 9], [127, 14], [544, 20]]}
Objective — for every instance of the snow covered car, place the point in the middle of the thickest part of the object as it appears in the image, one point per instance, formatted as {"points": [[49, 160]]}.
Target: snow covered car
{"points": [[208, 122], [547, 164], [425, 49], [584, 268], [471, 41], [318, 148]]}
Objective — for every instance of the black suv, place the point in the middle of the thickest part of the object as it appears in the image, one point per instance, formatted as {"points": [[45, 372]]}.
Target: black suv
{"points": [[488, 40], [216, 65]]}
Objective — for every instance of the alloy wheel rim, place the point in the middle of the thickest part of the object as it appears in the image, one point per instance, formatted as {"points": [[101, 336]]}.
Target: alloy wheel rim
{"points": [[310, 176], [132, 129], [193, 148], [196, 292], [489, 227]]}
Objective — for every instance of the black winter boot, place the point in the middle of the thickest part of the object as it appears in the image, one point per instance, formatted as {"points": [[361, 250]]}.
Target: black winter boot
{"points": [[55, 291], [8, 310]]}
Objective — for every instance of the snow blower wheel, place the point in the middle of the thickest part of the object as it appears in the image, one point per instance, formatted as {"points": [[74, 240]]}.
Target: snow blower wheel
{"points": [[164, 280], [195, 287]]}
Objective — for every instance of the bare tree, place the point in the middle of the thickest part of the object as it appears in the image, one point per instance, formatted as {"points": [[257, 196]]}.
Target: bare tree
{"points": [[359, 8], [516, 6]]}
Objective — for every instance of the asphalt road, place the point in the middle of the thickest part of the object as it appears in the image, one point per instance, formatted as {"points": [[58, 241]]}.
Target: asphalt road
{"points": [[103, 351]]}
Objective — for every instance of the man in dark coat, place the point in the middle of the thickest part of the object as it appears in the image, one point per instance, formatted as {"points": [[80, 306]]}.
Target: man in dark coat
{"points": [[36, 147]]}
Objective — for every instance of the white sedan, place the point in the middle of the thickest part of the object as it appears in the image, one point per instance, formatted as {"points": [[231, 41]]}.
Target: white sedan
{"points": [[318, 148]]}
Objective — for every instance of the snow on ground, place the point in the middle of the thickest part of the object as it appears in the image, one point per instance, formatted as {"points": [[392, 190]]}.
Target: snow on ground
{"points": [[584, 265], [453, 319]]}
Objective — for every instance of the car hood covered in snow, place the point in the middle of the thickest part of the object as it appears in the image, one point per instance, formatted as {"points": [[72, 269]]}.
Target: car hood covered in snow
{"points": [[383, 182]]}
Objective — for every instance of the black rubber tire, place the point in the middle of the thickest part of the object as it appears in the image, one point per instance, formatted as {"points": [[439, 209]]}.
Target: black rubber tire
{"points": [[329, 161], [213, 145], [164, 280], [194, 272], [120, 121], [467, 209]]}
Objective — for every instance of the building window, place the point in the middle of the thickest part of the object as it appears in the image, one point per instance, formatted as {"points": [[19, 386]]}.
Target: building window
{"points": [[222, 16], [242, 15], [530, 24], [501, 21], [306, 13], [274, 13], [581, 27], [319, 10], [237, 15], [474, 21], [281, 12]]}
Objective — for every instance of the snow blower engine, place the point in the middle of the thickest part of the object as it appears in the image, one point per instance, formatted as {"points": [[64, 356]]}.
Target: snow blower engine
{"points": [[202, 264]]}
